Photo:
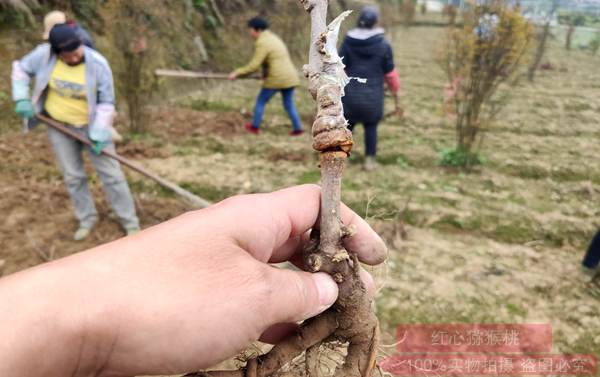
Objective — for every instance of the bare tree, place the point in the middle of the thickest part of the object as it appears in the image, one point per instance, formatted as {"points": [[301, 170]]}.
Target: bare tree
{"points": [[572, 21], [483, 54], [135, 79], [542, 39]]}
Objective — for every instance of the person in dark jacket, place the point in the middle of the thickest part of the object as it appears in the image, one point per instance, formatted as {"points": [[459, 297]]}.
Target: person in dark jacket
{"points": [[367, 55], [591, 260]]}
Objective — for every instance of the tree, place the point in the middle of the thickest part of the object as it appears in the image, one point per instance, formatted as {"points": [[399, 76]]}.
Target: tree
{"points": [[135, 79], [486, 52], [449, 11], [408, 11], [595, 43], [572, 21], [542, 38]]}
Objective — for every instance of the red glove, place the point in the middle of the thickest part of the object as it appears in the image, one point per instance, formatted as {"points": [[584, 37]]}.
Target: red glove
{"points": [[393, 81]]}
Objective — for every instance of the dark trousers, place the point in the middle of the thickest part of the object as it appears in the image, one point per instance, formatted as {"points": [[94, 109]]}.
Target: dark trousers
{"points": [[370, 136], [592, 256]]}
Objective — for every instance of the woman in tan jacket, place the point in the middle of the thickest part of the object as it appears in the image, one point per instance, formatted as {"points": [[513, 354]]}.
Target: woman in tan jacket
{"points": [[271, 54]]}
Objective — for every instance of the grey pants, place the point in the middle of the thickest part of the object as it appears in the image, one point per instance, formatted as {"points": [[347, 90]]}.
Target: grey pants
{"points": [[68, 152]]}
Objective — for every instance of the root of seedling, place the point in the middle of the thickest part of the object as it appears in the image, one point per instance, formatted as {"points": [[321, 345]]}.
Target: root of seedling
{"points": [[351, 319]]}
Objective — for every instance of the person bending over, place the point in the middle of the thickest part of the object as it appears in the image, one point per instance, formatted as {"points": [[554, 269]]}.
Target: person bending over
{"points": [[279, 74], [74, 85]]}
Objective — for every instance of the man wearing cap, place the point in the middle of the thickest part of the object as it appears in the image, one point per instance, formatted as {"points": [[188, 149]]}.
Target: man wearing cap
{"points": [[57, 17], [74, 85]]}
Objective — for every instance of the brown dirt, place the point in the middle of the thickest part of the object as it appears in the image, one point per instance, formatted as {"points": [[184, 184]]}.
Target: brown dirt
{"points": [[298, 156], [138, 149], [38, 221], [167, 123]]}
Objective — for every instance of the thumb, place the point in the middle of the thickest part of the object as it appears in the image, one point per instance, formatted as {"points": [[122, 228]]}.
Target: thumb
{"points": [[300, 295]]}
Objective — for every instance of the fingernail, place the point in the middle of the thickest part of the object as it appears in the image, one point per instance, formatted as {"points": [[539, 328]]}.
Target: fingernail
{"points": [[328, 290]]}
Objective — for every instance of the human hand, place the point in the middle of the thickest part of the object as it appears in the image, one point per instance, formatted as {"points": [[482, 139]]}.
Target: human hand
{"points": [[177, 297], [98, 146], [233, 76], [397, 107], [24, 108]]}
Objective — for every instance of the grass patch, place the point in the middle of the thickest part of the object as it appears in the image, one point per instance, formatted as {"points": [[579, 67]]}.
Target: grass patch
{"points": [[210, 193], [348, 185], [449, 223], [150, 187], [524, 171], [459, 158], [514, 232], [577, 106], [310, 176], [201, 104], [144, 137], [587, 344], [563, 234], [184, 151], [516, 310], [201, 146], [394, 159], [471, 310]]}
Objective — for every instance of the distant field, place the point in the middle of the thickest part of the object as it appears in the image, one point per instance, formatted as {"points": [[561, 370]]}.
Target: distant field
{"points": [[581, 38]]}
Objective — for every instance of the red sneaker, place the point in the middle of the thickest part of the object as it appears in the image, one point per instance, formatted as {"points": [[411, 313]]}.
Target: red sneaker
{"points": [[250, 128], [296, 132]]}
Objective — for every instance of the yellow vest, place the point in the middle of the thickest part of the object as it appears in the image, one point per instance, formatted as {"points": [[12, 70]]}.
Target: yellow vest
{"points": [[67, 101]]}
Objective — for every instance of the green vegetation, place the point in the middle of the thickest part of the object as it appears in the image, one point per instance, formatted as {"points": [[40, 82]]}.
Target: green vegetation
{"points": [[311, 176], [210, 193], [459, 158], [578, 19]]}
